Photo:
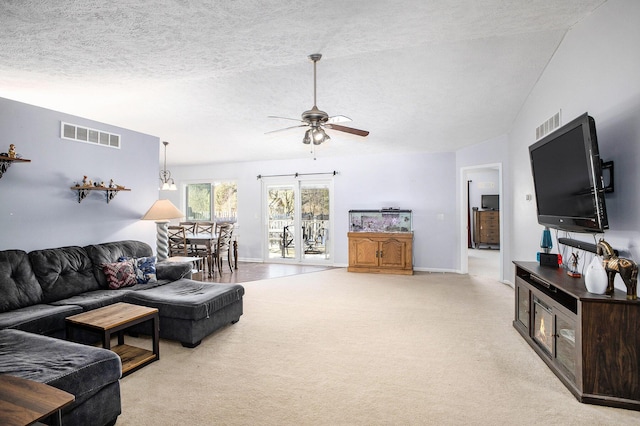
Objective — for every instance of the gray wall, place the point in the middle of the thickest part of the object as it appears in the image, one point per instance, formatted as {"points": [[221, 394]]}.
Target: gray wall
{"points": [[37, 208], [424, 183], [596, 70]]}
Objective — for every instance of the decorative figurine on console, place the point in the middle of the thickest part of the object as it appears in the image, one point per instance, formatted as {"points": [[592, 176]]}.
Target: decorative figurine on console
{"points": [[12, 151], [574, 260], [628, 269]]}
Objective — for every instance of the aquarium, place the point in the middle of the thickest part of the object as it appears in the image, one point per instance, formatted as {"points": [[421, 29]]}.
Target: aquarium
{"points": [[384, 220]]}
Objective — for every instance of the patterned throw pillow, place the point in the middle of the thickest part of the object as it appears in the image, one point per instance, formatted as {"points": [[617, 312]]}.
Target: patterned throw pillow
{"points": [[146, 269], [120, 274]]}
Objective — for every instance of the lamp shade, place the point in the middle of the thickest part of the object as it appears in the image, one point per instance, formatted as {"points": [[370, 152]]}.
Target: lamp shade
{"points": [[163, 210]]}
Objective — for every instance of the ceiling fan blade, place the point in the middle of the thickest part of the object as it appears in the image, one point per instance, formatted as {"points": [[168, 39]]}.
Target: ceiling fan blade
{"points": [[338, 119], [347, 129], [284, 118], [286, 128]]}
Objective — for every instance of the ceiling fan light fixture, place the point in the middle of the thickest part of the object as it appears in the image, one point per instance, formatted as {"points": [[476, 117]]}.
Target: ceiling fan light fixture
{"points": [[307, 137], [317, 119], [319, 136]]}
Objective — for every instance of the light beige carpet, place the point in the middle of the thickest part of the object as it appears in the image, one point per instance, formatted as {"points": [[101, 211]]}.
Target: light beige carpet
{"points": [[339, 348]]}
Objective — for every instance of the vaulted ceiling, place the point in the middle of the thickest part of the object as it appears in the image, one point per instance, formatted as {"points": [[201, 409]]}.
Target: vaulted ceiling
{"points": [[420, 75]]}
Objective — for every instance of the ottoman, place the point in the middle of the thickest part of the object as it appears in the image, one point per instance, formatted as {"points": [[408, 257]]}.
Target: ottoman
{"points": [[191, 310]]}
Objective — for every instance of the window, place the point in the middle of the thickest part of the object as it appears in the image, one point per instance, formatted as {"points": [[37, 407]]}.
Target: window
{"points": [[198, 201], [219, 198], [225, 196]]}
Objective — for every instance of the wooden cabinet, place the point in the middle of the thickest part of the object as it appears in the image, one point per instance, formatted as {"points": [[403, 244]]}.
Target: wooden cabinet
{"points": [[486, 227], [381, 252], [591, 342]]}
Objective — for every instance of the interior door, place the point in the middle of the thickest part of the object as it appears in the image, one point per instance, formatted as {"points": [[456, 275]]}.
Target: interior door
{"points": [[298, 220]]}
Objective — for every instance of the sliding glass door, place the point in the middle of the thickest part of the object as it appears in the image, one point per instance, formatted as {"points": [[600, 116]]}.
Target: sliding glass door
{"points": [[315, 221], [281, 213], [298, 220]]}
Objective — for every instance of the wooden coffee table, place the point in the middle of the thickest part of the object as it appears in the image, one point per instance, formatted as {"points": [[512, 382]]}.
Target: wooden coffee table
{"points": [[117, 318], [24, 402]]}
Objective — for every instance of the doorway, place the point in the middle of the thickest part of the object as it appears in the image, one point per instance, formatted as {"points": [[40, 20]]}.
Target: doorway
{"points": [[478, 255], [297, 219]]}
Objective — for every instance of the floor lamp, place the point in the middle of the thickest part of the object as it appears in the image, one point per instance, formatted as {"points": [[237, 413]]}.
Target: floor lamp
{"points": [[162, 211]]}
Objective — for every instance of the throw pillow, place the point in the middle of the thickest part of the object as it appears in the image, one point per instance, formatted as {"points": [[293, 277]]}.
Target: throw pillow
{"points": [[146, 270], [120, 274]]}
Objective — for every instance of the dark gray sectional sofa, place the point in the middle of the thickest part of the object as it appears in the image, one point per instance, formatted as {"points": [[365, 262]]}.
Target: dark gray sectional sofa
{"points": [[38, 290]]}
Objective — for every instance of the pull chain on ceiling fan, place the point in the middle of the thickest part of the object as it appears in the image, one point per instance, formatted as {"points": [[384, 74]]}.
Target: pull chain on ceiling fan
{"points": [[318, 120]]}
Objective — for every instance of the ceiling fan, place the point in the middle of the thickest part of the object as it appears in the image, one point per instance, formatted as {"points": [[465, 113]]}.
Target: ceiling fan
{"points": [[318, 120]]}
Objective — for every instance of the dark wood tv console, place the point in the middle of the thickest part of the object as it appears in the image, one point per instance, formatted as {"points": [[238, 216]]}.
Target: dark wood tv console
{"points": [[591, 342]]}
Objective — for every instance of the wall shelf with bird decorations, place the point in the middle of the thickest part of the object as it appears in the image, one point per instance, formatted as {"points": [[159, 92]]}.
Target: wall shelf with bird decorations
{"points": [[85, 188], [5, 163], [8, 158]]}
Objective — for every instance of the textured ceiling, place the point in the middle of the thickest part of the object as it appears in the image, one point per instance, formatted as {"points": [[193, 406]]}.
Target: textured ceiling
{"points": [[420, 75]]}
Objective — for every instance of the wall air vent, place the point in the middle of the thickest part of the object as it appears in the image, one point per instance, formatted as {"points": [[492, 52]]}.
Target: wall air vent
{"points": [[84, 134], [549, 126]]}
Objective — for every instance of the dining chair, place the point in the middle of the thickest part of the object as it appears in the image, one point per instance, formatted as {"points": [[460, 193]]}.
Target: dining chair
{"points": [[224, 231], [189, 227], [205, 227], [201, 249], [177, 241]]}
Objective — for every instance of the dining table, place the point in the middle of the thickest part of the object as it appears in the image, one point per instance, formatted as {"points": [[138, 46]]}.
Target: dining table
{"points": [[207, 239]]}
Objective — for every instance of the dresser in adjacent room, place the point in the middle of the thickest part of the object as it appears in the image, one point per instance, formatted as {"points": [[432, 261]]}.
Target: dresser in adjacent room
{"points": [[486, 228]]}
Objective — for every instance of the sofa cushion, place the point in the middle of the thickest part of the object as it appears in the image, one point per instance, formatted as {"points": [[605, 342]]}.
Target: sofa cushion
{"points": [[41, 319], [63, 272], [18, 284], [75, 368], [94, 299], [111, 252], [172, 271]]}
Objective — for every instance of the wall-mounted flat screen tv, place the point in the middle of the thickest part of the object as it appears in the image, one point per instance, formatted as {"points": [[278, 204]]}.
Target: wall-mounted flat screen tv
{"points": [[490, 202], [567, 176]]}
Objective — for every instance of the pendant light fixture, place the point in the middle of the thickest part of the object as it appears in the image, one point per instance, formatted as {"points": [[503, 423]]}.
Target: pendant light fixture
{"points": [[168, 184]]}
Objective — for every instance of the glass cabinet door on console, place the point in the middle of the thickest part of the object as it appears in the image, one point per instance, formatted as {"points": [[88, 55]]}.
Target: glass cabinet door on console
{"points": [[522, 306], [555, 334], [543, 325], [565, 345]]}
